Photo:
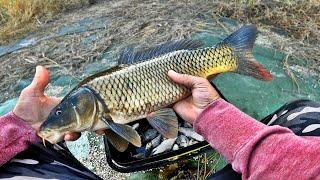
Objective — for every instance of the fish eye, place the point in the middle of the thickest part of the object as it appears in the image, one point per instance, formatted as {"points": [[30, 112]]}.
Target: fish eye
{"points": [[58, 112]]}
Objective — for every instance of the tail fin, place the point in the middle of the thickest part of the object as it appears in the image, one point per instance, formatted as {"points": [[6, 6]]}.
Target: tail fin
{"points": [[242, 42]]}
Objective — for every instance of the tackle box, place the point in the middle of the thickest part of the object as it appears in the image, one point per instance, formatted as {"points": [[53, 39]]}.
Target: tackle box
{"points": [[125, 162]]}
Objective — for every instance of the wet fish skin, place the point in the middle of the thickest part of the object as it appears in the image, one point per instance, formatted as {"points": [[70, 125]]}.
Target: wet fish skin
{"points": [[182, 141], [164, 146], [189, 132], [192, 142], [136, 126], [142, 90], [149, 135], [72, 115], [156, 141], [135, 91], [175, 147]]}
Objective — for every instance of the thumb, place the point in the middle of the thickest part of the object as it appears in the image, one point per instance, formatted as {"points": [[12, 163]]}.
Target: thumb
{"points": [[183, 79], [52, 102], [41, 79]]}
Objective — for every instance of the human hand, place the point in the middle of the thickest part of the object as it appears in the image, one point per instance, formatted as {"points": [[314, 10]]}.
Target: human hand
{"points": [[33, 106], [202, 95]]}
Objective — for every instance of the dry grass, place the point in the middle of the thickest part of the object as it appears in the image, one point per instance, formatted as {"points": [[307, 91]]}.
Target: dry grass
{"points": [[298, 18], [19, 16]]}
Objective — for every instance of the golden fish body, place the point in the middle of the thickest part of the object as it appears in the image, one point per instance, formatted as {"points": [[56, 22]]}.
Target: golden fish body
{"points": [[140, 88], [135, 91]]}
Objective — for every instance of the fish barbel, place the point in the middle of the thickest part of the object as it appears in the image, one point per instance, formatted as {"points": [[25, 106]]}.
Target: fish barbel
{"points": [[140, 88]]}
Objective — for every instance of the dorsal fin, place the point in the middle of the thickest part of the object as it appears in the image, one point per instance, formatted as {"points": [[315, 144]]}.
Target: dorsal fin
{"points": [[130, 56]]}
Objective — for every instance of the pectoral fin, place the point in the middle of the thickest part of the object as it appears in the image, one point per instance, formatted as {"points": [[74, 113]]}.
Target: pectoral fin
{"points": [[117, 141], [165, 122], [125, 131]]}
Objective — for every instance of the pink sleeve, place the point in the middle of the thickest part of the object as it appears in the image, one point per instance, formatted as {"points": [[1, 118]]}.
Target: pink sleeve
{"points": [[256, 150], [15, 136]]}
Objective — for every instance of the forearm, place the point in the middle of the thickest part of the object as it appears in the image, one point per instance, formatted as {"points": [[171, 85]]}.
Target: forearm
{"points": [[254, 149], [15, 136]]}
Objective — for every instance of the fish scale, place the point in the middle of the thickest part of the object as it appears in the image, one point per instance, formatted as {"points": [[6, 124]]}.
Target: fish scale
{"points": [[140, 88], [145, 87]]}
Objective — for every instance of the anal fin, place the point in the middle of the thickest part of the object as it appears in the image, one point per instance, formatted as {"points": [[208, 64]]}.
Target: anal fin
{"points": [[125, 131], [117, 141], [165, 122]]}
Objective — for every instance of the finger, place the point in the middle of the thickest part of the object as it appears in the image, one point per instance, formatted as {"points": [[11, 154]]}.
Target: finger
{"points": [[48, 104], [41, 79], [55, 100], [180, 106], [72, 136], [185, 110], [100, 132], [183, 79]]}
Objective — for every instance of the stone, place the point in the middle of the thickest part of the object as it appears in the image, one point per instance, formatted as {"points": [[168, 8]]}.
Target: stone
{"points": [[81, 147]]}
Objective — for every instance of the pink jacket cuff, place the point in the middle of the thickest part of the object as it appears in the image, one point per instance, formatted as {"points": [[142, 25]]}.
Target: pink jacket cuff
{"points": [[227, 134], [15, 136]]}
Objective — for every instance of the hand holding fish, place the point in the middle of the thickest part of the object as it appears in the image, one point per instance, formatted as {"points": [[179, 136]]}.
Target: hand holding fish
{"points": [[33, 106], [203, 94]]}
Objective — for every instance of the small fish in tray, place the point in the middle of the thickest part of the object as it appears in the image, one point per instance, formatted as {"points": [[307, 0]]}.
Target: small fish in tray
{"points": [[183, 141], [154, 143], [189, 132]]}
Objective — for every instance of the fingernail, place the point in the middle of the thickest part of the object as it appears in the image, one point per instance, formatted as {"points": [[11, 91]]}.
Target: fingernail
{"points": [[38, 68], [67, 137], [172, 72]]}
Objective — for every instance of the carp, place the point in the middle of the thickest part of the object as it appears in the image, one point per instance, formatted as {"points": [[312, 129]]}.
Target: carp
{"points": [[139, 87]]}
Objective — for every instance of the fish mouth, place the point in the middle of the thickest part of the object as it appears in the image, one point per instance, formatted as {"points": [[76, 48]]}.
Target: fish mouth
{"points": [[53, 137]]}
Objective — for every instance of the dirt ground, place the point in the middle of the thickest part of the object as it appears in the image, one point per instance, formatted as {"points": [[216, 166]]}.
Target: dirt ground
{"points": [[145, 23]]}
